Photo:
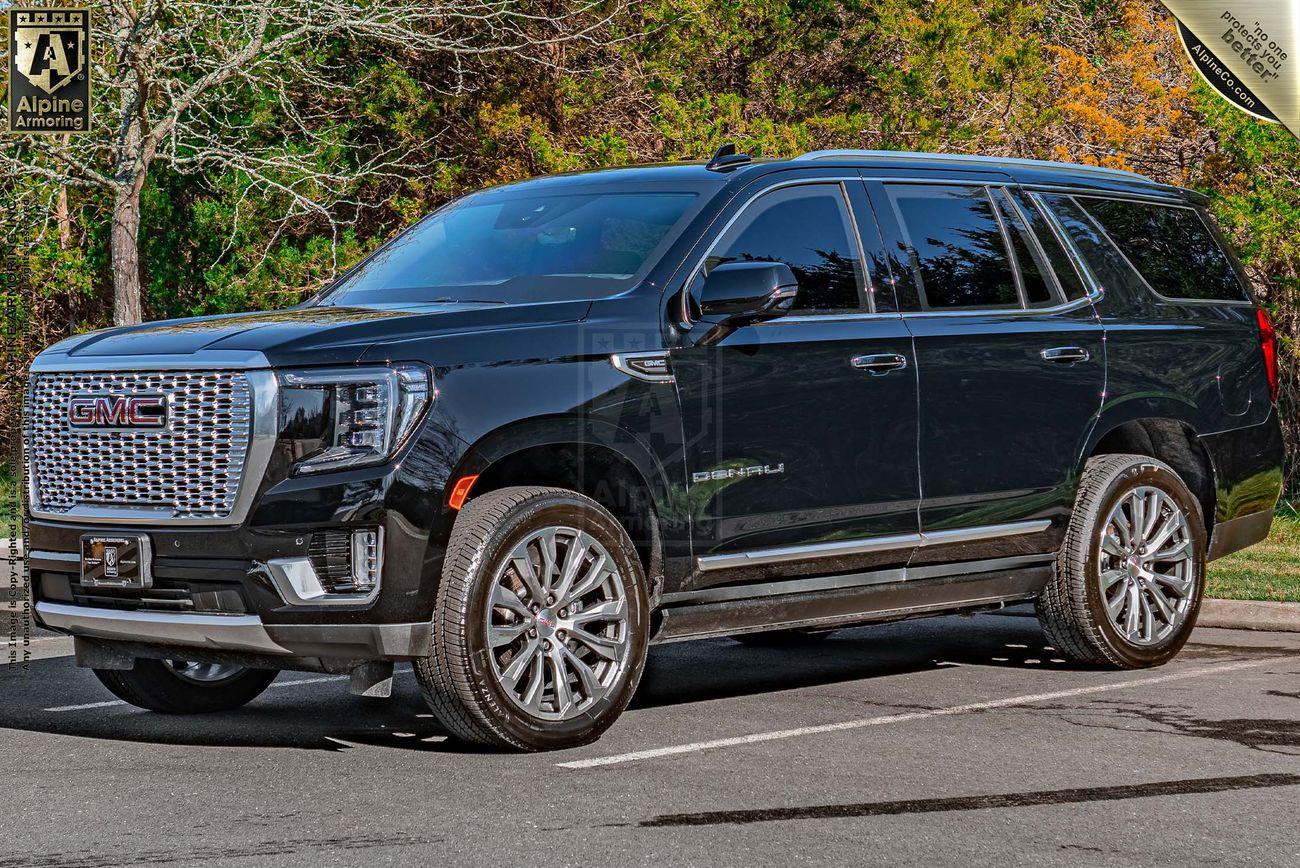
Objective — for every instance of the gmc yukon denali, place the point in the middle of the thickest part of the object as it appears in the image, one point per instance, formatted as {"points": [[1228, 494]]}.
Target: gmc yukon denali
{"points": [[561, 420]]}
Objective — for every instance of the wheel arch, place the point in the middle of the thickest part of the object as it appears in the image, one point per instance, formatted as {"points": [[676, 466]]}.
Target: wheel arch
{"points": [[597, 458], [1169, 439]]}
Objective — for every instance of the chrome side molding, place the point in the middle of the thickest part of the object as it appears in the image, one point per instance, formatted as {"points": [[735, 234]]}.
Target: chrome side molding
{"points": [[809, 551]]}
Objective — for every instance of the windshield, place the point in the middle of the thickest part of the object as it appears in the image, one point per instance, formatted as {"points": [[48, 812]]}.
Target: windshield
{"points": [[517, 249]]}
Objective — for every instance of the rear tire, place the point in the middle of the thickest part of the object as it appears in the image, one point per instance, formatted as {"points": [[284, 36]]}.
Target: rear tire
{"points": [[156, 686], [541, 622], [1131, 571]]}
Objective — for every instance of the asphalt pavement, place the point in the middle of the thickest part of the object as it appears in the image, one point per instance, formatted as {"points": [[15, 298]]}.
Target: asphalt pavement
{"points": [[953, 741]]}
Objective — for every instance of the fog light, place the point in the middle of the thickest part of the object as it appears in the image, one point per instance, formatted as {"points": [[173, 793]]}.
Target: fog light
{"points": [[367, 558]]}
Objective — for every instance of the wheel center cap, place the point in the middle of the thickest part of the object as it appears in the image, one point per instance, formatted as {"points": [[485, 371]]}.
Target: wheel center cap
{"points": [[546, 623], [1134, 564]]}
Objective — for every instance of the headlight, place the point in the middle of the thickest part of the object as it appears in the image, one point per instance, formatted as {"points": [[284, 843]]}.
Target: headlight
{"points": [[350, 417]]}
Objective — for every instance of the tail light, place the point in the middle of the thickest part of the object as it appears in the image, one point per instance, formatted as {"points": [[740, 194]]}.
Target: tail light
{"points": [[1268, 346]]}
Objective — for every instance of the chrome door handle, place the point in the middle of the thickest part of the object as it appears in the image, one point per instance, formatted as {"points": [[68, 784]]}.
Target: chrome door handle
{"points": [[1065, 355], [880, 364]]}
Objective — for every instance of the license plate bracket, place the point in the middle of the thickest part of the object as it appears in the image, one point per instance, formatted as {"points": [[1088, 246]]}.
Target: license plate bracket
{"points": [[116, 561]]}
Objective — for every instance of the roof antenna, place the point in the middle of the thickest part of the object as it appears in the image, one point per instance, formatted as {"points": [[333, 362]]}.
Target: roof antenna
{"points": [[726, 158]]}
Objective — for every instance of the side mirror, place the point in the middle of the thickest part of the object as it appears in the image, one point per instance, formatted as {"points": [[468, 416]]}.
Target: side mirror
{"points": [[739, 293]]}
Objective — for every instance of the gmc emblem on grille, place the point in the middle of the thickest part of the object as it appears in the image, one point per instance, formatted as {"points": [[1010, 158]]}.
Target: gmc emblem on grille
{"points": [[120, 412]]}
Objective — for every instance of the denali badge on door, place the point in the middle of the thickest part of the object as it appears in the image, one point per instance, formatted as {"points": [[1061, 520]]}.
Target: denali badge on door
{"points": [[116, 561]]}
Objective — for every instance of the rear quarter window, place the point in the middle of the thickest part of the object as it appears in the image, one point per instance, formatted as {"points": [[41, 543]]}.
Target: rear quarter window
{"points": [[1171, 247]]}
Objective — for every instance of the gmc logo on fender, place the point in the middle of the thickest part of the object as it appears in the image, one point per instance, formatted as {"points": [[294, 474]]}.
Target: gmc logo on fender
{"points": [[117, 411]]}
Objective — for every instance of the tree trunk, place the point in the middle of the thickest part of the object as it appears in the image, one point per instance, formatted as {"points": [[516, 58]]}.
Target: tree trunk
{"points": [[126, 255], [63, 214]]}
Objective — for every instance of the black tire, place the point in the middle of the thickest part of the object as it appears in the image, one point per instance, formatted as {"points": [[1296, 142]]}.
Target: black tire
{"points": [[154, 686], [782, 638], [457, 677], [1071, 607]]}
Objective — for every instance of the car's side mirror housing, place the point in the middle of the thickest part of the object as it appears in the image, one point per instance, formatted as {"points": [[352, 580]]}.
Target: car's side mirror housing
{"points": [[739, 293]]}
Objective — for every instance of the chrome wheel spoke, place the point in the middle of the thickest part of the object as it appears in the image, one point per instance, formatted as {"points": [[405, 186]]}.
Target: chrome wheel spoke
{"points": [[1111, 543], [573, 560], [593, 578], [532, 695], [1167, 530], [1109, 578], [1116, 604], [601, 612], [523, 565], [1137, 516], [504, 598], [1177, 552], [586, 675], [1181, 587], [519, 664], [602, 645], [1133, 614], [1157, 597], [498, 636], [560, 679]]}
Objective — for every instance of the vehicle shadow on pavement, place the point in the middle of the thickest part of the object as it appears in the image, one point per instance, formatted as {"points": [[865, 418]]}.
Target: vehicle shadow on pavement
{"points": [[323, 716]]}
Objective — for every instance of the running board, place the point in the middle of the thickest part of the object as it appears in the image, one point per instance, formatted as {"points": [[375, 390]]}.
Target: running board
{"points": [[857, 604]]}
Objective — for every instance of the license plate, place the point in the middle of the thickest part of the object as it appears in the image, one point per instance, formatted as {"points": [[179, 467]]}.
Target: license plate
{"points": [[115, 561]]}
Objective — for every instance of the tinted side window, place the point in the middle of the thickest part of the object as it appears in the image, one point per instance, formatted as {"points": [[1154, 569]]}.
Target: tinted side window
{"points": [[1098, 255], [955, 246], [1171, 247], [1040, 291], [1061, 264], [806, 227]]}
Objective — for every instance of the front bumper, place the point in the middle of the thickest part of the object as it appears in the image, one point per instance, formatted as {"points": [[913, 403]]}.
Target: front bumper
{"points": [[241, 634]]}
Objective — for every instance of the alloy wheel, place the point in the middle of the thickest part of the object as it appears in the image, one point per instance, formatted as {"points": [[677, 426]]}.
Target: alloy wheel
{"points": [[202, 673], [557, 624], [1147, 566]]}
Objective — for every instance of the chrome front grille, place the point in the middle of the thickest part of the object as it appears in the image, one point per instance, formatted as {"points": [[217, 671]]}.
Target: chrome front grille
{"points": [[189, 470]]}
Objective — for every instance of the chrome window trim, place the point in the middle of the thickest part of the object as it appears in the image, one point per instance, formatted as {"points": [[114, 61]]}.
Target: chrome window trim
{"points": [[1095, 294], [265, 391], [837, 180], [1215, 302], [1045, 261], [839, 548]]}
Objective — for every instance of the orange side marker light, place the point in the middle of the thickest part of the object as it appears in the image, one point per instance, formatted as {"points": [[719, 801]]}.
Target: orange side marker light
{"points": [[460, 491]]}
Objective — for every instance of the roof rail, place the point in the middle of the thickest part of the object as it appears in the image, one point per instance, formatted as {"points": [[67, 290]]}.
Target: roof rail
{"points": [[964, 158]]}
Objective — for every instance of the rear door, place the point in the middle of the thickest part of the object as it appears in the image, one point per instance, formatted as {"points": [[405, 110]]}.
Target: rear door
{"points": [[800, 445], [1010, 364]]}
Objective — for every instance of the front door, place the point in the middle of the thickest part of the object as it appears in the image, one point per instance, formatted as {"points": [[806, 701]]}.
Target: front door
{"points": [[801, 432], [1010, 362]]}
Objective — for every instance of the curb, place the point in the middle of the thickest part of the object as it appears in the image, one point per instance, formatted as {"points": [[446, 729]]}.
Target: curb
{"points": [[1250, 615]]}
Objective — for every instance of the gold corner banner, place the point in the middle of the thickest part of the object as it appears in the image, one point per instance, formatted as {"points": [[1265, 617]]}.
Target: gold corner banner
{"points": [[1248, 51]]}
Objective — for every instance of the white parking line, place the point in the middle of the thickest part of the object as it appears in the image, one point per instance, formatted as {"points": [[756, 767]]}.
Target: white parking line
{"points": [[1009, 702], [111, 703]]}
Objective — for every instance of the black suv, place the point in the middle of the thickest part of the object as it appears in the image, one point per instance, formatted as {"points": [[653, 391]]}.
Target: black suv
{"points": [[560, 420]]}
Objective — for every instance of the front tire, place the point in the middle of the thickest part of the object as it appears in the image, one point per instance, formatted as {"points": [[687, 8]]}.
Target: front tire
{"points": [[1131, 571], [541, 622], [183, 687]]}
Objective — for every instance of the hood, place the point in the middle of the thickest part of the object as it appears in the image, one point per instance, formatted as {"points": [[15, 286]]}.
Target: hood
{"points": [[303, 336]]}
